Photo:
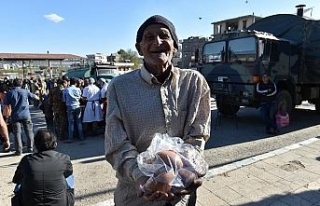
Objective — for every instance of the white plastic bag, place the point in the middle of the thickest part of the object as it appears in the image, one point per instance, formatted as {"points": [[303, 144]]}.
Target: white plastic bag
{"points": [[171, 164]]}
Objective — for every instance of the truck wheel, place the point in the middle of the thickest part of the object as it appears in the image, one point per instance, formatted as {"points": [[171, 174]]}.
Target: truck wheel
{"points": [[284, 101], [227, 109]]}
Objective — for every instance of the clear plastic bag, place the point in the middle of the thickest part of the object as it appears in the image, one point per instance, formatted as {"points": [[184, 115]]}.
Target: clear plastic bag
{"points": [[171, 164]]}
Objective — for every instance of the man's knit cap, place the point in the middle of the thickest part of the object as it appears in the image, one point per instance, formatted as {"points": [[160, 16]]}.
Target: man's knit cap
{"points": [[157, 19]]}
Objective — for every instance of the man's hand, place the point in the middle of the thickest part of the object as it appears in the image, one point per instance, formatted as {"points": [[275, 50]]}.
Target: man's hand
{"points": [[193, 187], [6, 146], [36, 97], [151, 196]]}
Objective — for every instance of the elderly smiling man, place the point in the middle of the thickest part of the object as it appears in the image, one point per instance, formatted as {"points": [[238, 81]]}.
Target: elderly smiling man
{"points": [[158, 98]]}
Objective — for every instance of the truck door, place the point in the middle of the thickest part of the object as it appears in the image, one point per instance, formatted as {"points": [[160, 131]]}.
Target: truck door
{"points": [[279, 59]]}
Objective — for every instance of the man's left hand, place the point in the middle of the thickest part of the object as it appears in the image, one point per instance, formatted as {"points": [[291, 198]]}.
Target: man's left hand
{"points": [[193, 187]]}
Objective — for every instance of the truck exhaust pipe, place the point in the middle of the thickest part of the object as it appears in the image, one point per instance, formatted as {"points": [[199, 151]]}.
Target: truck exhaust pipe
{"points": [[300, 9]]}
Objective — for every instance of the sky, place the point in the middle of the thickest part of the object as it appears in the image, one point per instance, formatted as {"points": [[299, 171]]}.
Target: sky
{"points": [[84, 27]]}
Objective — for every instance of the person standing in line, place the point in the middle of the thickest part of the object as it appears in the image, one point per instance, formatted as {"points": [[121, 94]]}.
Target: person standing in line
{"points": [[103, 96], [4, 134], [42, 87], [17, 100], [72, 95], [46, 108], [4, 130], [92, 112], [59, 109], [158, 98], [42, 176], [267, 91], [35, 89]]}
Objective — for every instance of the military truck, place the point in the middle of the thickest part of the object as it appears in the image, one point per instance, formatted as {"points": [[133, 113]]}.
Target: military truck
{"points": [[107, 71], [287, 47]]}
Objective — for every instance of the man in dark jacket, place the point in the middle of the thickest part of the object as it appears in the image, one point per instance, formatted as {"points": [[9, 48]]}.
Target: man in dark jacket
{"points": [[267, 91], [42, 175]]}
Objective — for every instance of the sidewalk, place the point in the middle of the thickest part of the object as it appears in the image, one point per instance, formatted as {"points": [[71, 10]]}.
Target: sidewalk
{"points": [[288, 176]]}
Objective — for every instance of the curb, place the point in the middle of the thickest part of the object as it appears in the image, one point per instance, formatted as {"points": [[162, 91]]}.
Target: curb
{"points": [[251, 160]]}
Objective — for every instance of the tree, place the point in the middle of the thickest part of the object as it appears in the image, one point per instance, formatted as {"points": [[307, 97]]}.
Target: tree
{"points": [[129, 56]]}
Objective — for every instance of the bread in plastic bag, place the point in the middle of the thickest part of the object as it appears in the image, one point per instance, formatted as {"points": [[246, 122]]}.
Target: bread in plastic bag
{"points": [[171, 164]]}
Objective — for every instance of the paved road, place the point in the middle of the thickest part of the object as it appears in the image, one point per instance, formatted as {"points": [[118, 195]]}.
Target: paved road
{"points": [[95, 179], [242, 136]]}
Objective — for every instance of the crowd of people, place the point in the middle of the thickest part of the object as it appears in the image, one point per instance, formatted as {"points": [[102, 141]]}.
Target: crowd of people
{"points": [[69, 105], [73, 108]]}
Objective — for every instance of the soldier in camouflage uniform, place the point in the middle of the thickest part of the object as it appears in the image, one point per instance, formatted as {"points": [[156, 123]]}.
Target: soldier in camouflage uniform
{"points": [[59, 110]]}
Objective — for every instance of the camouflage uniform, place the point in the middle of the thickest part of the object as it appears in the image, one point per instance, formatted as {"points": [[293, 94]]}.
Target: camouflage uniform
{"points": [[59, 112]]}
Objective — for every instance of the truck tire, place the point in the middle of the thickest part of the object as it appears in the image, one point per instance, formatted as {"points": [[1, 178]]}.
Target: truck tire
{"points": [[284, 101], [227, 108]]}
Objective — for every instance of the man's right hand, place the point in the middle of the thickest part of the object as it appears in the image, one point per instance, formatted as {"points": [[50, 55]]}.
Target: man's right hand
{"points": [[6, 146], [155, 196]]}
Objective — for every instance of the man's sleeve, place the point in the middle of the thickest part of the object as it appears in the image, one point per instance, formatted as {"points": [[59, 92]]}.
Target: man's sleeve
{"points": [[119, 151], [69, 168], [18, 175], [198, 124]]}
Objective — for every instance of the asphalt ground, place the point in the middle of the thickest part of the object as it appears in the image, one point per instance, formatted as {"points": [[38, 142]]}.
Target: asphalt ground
{"points": [[95, 180]]}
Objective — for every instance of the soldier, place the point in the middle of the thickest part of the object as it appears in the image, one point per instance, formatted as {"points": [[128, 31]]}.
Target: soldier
{"points": [[59, 109]]}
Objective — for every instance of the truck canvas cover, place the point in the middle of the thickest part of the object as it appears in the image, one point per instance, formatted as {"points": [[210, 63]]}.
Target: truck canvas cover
{"points": [[304, 33]]}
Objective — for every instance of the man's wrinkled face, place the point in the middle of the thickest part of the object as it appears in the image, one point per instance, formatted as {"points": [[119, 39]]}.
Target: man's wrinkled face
{"points": [[157, 45]]}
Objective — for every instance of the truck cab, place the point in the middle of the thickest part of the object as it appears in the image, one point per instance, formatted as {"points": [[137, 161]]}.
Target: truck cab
{"points": [[96, 71], [233, 63]]}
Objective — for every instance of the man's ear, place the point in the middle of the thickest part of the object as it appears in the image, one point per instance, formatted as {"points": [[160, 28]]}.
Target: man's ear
{"points": [[138, 49]]}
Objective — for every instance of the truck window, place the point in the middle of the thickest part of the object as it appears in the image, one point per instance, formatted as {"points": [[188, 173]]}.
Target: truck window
{"points": [[214, 52], [274, 55], [243, 49]]}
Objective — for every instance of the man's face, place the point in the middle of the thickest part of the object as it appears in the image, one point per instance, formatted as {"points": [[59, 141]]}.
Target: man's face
{"points": [[265, 79], [100, 83], [157, 45], [65, 84]]}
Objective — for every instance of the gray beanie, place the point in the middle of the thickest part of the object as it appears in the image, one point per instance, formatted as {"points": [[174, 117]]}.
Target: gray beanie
{"points": [[157, 19]]}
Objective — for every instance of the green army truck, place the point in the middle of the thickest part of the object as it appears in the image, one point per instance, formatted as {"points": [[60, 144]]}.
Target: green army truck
{"points": [[96, 71], [287, 47]]}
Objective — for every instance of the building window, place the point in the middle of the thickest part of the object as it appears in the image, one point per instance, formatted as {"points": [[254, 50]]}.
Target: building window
{"points": [[244, 24], [219, 28]]}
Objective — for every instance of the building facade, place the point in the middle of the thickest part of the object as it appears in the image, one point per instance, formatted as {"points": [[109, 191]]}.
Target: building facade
{"points": [[191, 51], [30, 64], [233, 24]]}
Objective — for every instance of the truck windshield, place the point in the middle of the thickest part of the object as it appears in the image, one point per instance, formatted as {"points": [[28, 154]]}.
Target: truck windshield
{"points": [[214, 52], [243, 49], [107, 71]]}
